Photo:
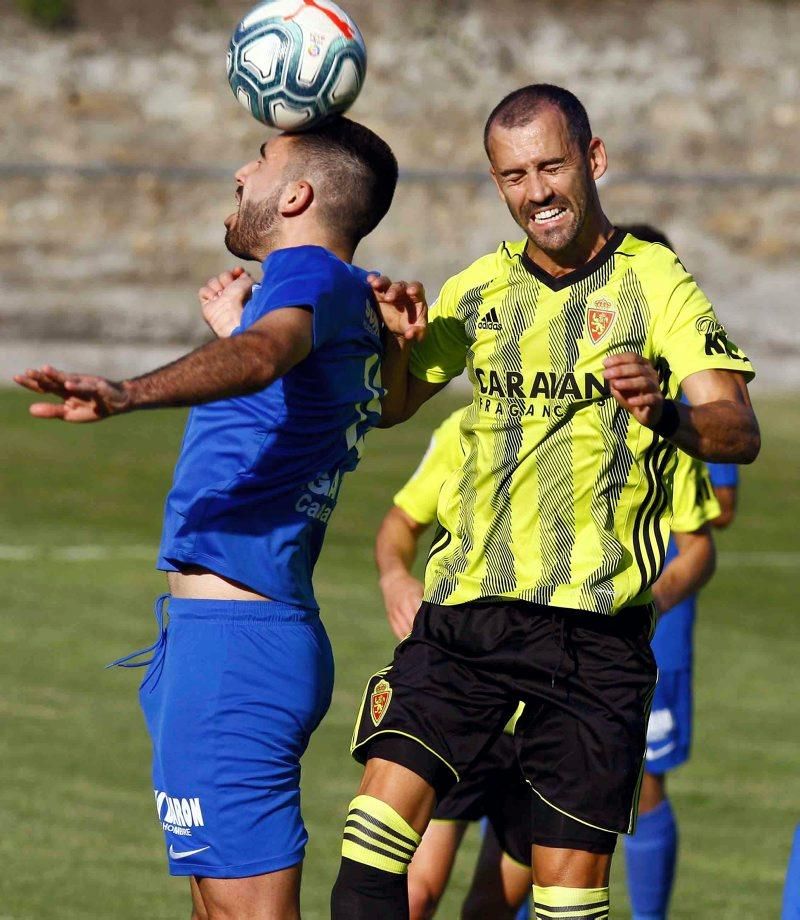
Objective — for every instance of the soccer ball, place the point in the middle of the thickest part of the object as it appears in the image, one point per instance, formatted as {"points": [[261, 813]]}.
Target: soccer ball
{"points": [[293, 63]]}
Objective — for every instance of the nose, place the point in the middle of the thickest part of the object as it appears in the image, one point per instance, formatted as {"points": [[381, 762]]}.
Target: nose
{"points": [[537, 188], [244, 171]]}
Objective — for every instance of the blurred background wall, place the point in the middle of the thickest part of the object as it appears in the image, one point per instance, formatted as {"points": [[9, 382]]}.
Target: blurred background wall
{"points": [[120, 137]]}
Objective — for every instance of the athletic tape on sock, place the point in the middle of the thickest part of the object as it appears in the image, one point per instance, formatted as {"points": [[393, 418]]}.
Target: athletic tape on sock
{"points": [[376, 835], [554, 903]]}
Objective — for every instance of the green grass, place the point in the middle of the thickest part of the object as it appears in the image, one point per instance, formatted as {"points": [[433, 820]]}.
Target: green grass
{"points": [[80, 839]]}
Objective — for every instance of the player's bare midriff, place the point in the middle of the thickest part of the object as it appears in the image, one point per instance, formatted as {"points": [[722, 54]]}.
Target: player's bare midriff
{"points": [[197, 583]]}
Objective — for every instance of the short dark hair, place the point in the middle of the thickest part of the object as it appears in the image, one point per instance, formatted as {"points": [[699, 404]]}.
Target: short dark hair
{"points": [[524, 104], [647, 233], [359, 172]]}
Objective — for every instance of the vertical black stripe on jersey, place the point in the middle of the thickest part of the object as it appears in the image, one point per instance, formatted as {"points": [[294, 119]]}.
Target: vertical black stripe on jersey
{"points": [[648, 544], [556, 492], [450, 567], [518, 314], [647, 539], [629, 334]]}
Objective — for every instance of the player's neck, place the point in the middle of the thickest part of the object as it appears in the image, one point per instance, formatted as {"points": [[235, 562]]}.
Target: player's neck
{"points": [[313, 236], [586, 246]]}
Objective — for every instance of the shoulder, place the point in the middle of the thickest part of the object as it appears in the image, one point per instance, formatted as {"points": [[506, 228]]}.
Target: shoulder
{"points": [[484, 270], [655, 258]]}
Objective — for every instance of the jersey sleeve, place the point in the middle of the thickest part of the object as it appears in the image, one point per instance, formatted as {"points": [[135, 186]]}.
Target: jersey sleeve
{"points": [[693, 501], [686, 331], [723, 475], [303, 277], [442, 354], [419, 496]]}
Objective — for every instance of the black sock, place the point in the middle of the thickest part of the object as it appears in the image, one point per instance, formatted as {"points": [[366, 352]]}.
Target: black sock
{"points": [[365, 893]]}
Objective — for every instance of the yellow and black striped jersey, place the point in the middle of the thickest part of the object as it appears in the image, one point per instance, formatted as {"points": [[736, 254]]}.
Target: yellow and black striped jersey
{"points": [[561, 497], [693, 500]]}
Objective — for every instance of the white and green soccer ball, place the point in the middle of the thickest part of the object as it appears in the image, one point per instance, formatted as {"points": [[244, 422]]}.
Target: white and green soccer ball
{"points": [[294, 63]]}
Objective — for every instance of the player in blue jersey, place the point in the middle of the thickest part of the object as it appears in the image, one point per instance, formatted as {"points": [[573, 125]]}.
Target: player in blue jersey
{"points": [[243, 673]]}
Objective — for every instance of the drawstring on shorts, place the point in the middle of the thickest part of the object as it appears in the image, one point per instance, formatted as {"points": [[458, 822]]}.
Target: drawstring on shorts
{"points": [[157, 648]]}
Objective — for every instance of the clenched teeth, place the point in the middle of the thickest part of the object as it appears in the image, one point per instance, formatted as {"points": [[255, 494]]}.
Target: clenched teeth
{"points": [[541, 216]]}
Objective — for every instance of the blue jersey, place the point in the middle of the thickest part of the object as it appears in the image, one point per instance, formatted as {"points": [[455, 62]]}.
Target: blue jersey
{"points": [[258, 476], [672, 642]]}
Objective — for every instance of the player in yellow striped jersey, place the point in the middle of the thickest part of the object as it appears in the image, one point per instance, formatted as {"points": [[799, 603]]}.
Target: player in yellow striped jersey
{"points": [[553, 529], [492, 787]]}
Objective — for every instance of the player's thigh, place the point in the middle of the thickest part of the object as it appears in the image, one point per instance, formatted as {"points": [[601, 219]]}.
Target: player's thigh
{"points": [[230, 712], [669, 730], [500, 884], [272, 896], [439, 704], [581, 738], [431, 866], [411, 796]]}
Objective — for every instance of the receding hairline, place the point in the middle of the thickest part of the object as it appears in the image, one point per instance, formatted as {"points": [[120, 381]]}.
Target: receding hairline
{"points": [[537, 111]]}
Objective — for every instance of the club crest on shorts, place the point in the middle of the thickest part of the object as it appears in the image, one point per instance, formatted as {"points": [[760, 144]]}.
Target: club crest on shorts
{"points": [[600, 318], [379, 701]]}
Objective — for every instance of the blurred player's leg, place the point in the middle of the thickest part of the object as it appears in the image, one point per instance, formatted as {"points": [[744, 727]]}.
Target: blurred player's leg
{"points": [[651, 853], [431, 866], [791, 890], [499, 886]]}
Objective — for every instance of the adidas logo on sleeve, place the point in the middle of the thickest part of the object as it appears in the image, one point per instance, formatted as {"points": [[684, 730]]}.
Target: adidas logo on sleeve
{"points": [[490, 321]]}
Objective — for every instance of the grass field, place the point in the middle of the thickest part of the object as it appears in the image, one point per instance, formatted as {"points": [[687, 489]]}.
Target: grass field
{"points": [[80, 524]]}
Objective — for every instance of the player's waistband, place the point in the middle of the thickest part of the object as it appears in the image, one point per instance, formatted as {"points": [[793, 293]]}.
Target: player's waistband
{"points": [[275, 612], [271, 613]]}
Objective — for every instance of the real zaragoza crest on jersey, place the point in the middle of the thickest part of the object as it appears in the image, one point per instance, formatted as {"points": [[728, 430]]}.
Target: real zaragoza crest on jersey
{"points": [[600, 318], [379, 701]]}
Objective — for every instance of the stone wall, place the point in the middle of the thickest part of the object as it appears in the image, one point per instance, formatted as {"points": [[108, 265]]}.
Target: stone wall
{"points": [[699, 104]]}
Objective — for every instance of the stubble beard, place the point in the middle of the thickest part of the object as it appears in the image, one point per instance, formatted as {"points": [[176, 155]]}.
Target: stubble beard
{"points": [[252, 235]]}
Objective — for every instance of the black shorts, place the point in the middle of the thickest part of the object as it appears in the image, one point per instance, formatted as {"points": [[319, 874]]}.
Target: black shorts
{"points": [[586, 679], [494, 788]]}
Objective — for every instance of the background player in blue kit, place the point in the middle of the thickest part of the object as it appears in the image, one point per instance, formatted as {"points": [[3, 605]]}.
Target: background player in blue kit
{"points": [[244, 672]]}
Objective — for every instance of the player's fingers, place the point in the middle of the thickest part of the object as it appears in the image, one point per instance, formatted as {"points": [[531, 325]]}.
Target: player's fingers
{"points": [[237, 271], [636, 385], [623, 357], [48, 410], [644, 400], [379, 283], [28, 381]]}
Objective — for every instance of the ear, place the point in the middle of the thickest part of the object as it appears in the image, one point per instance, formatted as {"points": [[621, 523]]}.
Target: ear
{"points": [[296, 198], [598, 158]]}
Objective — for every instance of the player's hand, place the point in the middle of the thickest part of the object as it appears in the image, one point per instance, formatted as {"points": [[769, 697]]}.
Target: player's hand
{"points": [[402, 305], [86, 398], [222, 299], [402, 595], [635, 385]]}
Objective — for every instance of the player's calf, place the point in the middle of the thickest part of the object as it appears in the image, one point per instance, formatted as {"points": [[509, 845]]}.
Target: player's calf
{"points": [[383, 829]]}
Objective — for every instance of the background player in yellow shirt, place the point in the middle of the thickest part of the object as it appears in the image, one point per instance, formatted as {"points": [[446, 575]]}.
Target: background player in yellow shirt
{"points": [[577, 342], [493, 786]]}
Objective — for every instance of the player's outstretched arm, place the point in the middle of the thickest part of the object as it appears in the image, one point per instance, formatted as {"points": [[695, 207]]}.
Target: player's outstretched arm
{"points": [[687, 572], [395, 551], [404, 311], [234, 366], [720, 425]]}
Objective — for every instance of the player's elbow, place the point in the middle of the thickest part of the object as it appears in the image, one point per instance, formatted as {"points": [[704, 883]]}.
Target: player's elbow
{"points": [[752, 446]]}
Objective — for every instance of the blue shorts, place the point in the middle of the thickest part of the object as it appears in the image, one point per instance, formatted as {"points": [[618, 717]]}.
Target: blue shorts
{"points": [[669, 731], [231, 697]]}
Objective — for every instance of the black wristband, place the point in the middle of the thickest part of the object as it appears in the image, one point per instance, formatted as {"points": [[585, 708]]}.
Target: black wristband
{"points": [[668, 424]]}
